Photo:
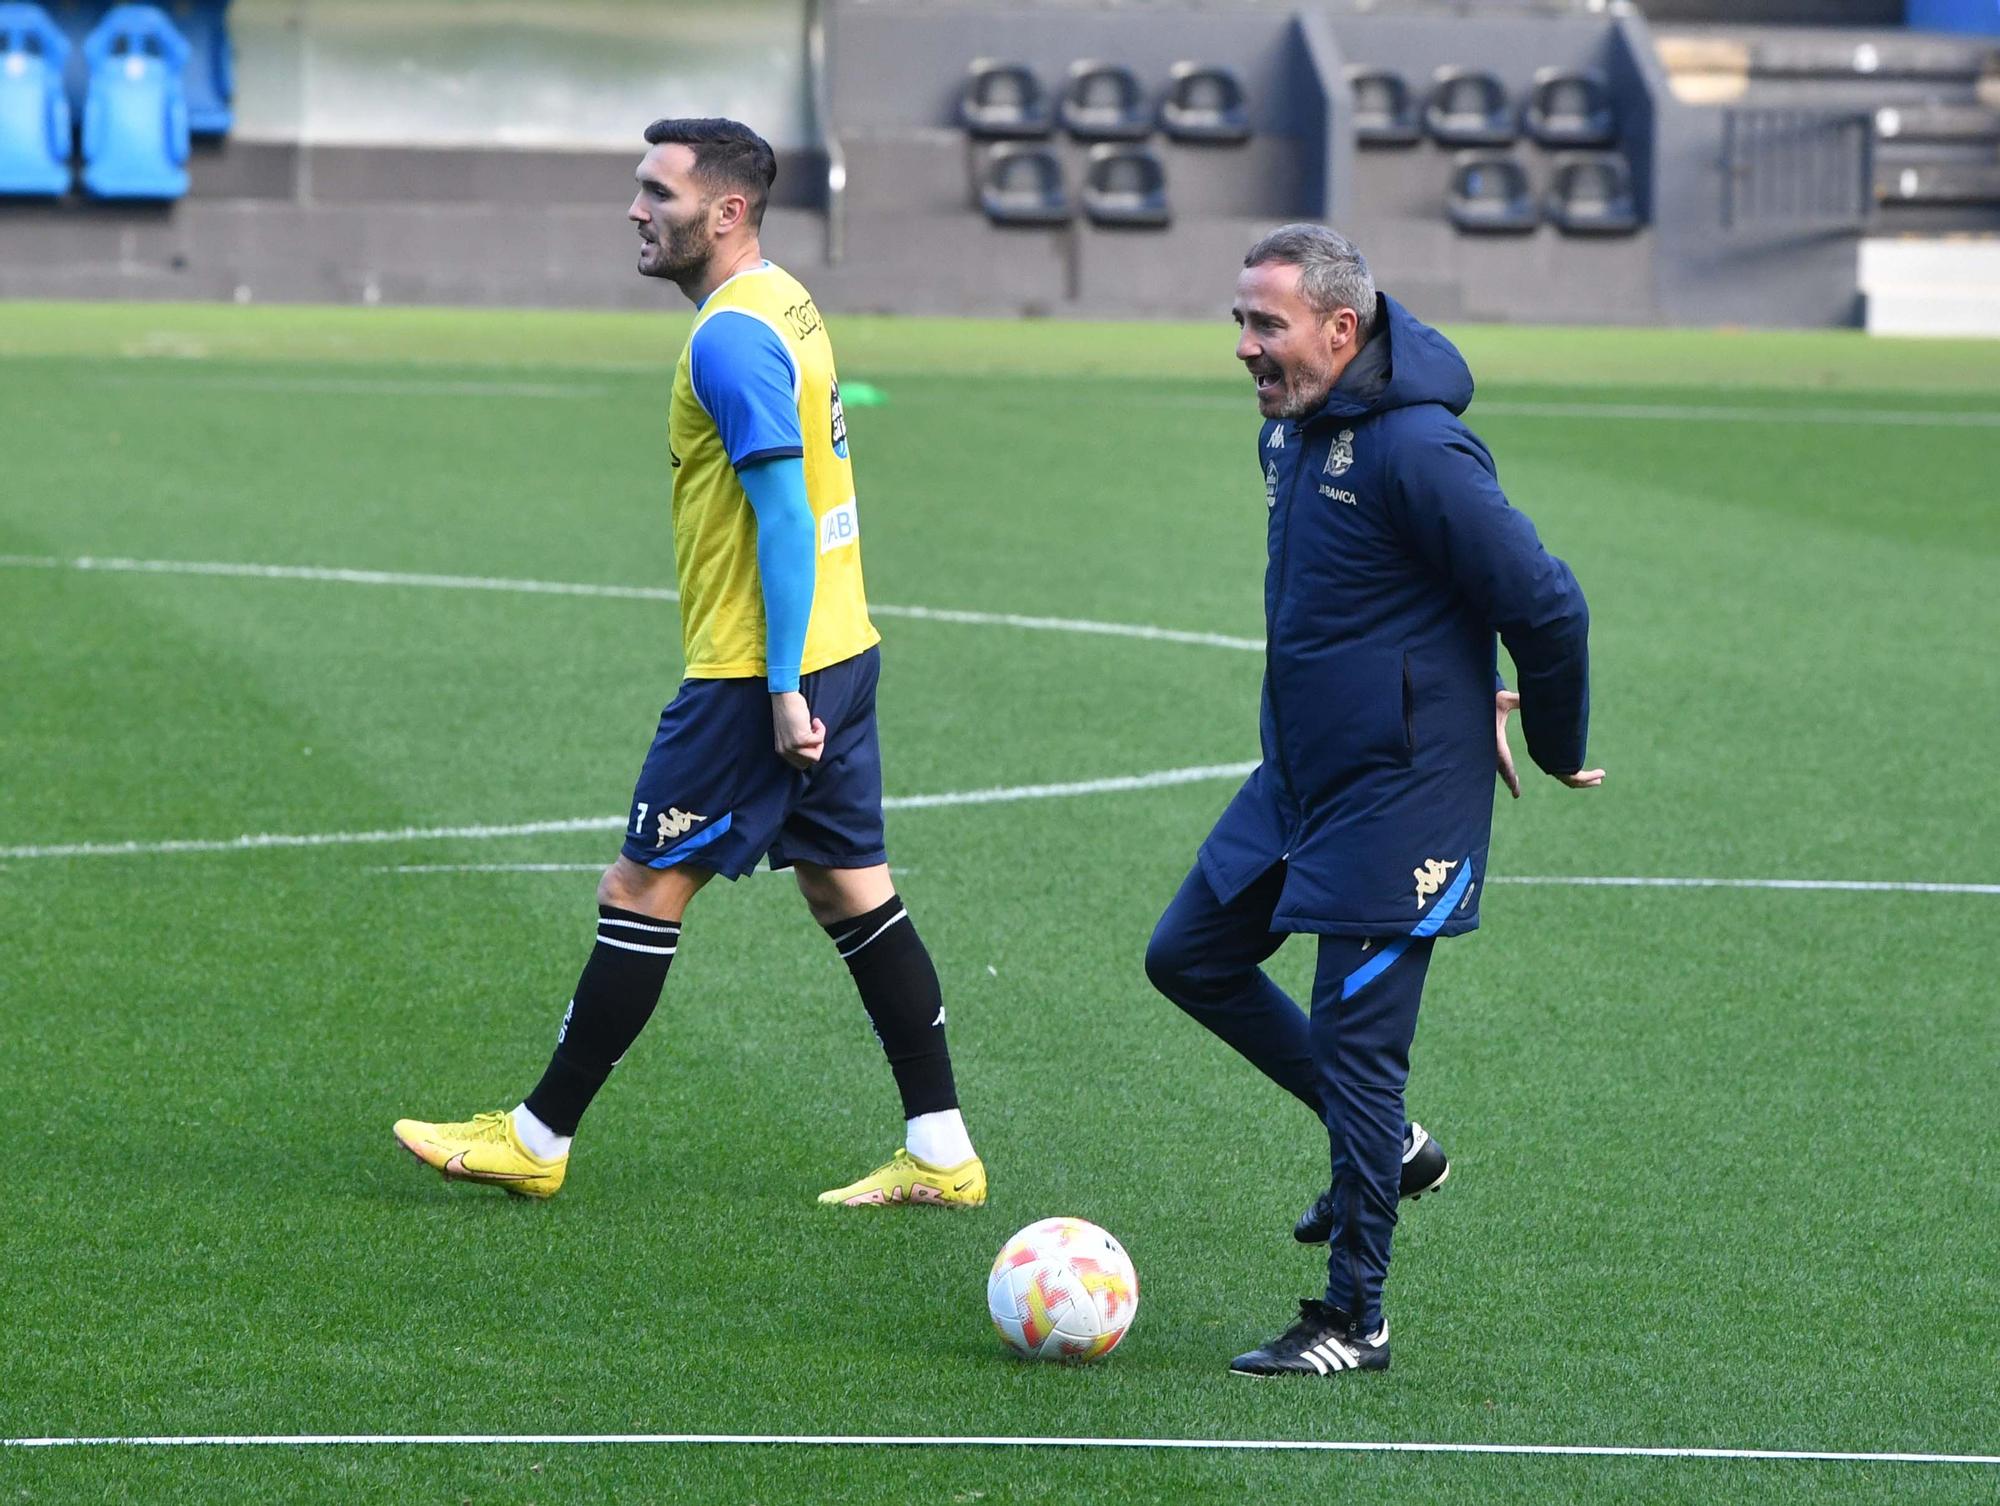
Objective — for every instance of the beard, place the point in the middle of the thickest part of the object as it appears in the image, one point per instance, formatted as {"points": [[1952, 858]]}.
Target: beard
{"points": [[1306, 387], [684, 249]]}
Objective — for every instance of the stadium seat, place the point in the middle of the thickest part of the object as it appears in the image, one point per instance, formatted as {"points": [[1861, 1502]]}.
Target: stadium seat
{"points": [[135, 123], [34, 109], [1021, 184], [1003, 102], [1468, 107], [1810, 53], [1940, 183], [1105, 102], [1955, 125], [1125, 185], [1570, 107], [1590, 193], [1385, 112], [1490, 191], [211, 73], [1205, 102]]}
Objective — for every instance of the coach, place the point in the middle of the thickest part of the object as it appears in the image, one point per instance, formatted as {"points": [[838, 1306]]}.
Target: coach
{"points": [[1394, 560]]}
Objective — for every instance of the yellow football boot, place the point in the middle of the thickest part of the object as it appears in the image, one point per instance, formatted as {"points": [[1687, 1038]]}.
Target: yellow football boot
{"points": [[905, 1179], [483, 1149]]}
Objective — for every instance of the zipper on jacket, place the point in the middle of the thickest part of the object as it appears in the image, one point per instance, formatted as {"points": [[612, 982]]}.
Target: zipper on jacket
{"points": [[1271, 635], [1409, 711]]}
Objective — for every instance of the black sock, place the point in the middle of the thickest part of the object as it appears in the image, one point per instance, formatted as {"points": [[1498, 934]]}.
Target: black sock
{"points": [[899, 989], [614, 998]]}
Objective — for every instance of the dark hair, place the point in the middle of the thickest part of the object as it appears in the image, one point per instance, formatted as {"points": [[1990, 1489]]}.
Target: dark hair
{"points": [[727, 155]]}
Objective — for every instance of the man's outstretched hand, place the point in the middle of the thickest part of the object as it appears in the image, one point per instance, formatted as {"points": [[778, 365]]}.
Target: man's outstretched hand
{"points": [[1505, 704]]}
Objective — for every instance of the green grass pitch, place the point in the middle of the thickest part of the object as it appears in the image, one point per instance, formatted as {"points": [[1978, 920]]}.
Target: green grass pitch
{"points": [[1724, 1160]]}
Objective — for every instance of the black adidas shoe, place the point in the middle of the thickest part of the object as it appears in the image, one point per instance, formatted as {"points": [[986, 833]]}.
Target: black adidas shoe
{"points": [[1424, 1170], [1322, 1342]]}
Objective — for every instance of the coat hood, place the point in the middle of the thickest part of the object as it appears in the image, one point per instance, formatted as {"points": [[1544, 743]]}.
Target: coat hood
{"points": [[1423, 367]]}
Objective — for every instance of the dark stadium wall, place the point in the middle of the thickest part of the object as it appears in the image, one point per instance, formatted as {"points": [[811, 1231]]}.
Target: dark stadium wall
{"points": [[1775, 12], [432, 200]]}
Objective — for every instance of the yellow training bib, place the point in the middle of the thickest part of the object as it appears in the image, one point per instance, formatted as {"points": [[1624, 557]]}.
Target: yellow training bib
{"points": [[715, 531]]}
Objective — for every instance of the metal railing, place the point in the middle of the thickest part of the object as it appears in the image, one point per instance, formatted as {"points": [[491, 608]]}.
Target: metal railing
{"points": [[828, 132], [1809, 169]]}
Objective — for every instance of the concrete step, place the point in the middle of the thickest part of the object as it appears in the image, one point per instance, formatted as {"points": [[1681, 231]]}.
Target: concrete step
{"points": [[1931, 286]]}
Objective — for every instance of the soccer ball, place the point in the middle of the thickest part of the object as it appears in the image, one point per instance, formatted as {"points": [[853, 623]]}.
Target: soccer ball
{"points": [[1063, 1290]]}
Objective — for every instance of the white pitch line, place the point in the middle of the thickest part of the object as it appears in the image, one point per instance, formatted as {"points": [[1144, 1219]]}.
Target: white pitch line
{"points": [[338, 575], [490, 868], [1864, 886], [259, 841], [367, 387], [812, 1440], [917, 391], [1070, 625], [1938, 418], [1118, 784], [1868, 886], [598, 867], [252, 842]]}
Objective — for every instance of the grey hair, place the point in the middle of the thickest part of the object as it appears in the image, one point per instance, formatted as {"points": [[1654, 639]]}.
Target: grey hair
{"points": [[1333, 274]]}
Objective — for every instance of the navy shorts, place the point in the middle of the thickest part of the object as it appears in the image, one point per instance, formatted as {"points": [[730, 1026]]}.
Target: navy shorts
{"points": [[715, 794]]}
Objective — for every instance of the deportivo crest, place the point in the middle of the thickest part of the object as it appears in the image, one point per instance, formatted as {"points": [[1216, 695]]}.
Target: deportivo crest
{"points": [[1430, 878], [676, 823], [1341, 456]]}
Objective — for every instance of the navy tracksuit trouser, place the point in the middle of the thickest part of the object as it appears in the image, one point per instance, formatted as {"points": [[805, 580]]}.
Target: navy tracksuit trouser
{"points": [[1347, 1063]]}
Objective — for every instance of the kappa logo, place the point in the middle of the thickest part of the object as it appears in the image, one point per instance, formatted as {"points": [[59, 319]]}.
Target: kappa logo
{"points": [[1277, 439], [1270, 483], [1341, 456], [1430, 878], [676, 823]]}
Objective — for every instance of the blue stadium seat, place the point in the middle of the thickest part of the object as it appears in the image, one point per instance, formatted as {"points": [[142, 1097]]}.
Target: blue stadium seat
{"points": [[1570, 107], [1590, 193], [1125, 185], [1105, 102], [1003, 101], [1469, 107], [135, 119], [211, 70], [1491, 192], [1385, 114], [1021, 184], [34, 111], [1205, 102]]}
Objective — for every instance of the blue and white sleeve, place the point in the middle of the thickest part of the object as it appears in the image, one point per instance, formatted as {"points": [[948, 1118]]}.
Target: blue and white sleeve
{"points": [[745, 379]]}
